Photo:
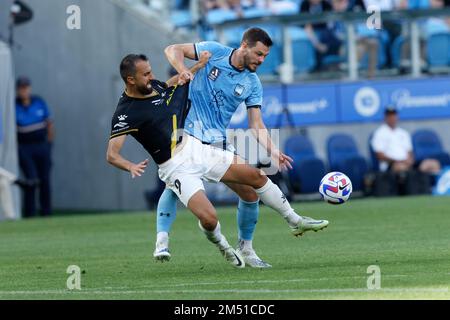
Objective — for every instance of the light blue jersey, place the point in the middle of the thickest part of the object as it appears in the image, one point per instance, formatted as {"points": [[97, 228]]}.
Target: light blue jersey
{"points": [[217, 91]]}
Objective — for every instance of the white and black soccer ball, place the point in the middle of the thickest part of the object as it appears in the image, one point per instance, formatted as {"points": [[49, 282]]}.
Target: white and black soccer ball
{"points": [[335, 188]]}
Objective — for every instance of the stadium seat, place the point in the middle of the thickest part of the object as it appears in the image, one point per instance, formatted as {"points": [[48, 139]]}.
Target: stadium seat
{"points": [[181, 18], [308, 169], [343, 156], [426, 144], [256, 13], [418, 4], [219, 15], [438, 48], [304, 56]]}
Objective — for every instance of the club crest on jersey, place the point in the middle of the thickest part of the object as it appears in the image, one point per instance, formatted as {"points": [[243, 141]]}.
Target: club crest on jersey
{"points": [[121, 124], [214, 74], [238, 90]]}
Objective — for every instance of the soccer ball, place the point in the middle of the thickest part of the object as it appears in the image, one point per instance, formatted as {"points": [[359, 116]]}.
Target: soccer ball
{"points": [[335, 188]]}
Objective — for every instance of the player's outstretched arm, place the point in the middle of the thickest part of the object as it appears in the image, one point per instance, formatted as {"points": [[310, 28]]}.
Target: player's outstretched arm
{"points": [[176, 53], [113, 157], [262, 135], [204, 58]]}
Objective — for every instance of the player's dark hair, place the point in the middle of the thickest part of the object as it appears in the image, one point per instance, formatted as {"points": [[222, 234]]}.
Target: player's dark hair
{"points": [[253, 35], [128, 65]]}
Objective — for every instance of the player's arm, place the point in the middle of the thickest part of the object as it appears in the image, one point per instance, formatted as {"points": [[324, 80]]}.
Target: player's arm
{"points": [[259, 130], [176, 53], [113, 157], [203, 60]]}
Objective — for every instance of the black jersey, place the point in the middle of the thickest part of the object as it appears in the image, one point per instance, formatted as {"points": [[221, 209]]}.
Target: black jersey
{"points": [[154, 122]]}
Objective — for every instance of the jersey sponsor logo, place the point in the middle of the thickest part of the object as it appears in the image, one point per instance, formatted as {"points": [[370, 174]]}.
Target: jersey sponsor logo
{"points": [[238, 90], [121, 125], [218, 98], [122, 117], [161, 214], [214, 74]]}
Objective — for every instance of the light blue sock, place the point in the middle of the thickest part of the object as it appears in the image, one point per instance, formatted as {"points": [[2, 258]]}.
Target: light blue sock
{"points": [[166, 211], [247, 217]]}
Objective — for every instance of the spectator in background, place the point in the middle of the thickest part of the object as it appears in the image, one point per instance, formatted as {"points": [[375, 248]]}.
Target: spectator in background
{"points": [[365, 43], [208, 5], [321, 37], [392, 27], [35, 135], [393, 147], [428, 27], [436, 24]]}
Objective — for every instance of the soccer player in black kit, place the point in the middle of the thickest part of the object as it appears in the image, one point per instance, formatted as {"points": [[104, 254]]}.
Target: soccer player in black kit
{"points": [[153, 113]]}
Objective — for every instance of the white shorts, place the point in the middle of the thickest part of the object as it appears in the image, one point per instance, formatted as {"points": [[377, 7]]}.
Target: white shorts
{"points": [[185, 171]]}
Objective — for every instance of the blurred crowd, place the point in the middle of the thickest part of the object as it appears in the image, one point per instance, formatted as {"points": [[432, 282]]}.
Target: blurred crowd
{"points": [[387, 47]]}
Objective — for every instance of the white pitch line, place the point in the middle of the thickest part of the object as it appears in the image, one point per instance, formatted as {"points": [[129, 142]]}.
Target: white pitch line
{"points": [[346, 290], [187, 284]]}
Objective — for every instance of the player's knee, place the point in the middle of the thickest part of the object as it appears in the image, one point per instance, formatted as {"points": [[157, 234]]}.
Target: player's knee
{"points": [[248, 194], [209, 222], [259, 179], [208, 218]]}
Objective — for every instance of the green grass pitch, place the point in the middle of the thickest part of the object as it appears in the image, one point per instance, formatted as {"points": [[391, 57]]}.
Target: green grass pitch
{"points": [[408, 238]]}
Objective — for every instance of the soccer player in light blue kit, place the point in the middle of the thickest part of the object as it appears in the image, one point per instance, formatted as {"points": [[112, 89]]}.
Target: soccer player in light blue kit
{"points": [[217, 90]]}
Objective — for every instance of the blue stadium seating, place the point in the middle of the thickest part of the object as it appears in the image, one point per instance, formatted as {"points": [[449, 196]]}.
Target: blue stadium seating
{"points": [[218, 16], [308, 169], [343, 156], [438, 49], [304, 56], [181, 18], [418, 4], [426, 144], [256, 13]]}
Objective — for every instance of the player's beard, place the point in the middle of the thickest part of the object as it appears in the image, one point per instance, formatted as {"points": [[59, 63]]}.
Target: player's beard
{"points": [[145, 90], [247, 64]]}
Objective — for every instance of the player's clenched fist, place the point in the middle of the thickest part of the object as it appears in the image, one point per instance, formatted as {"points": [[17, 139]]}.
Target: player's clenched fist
{"points": [[204, 58], [185, 77]]}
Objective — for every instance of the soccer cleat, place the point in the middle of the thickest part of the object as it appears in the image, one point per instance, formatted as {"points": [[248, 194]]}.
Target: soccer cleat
{"points": [[162, 254], [308, 224], [233, 257], [252, 259]]}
